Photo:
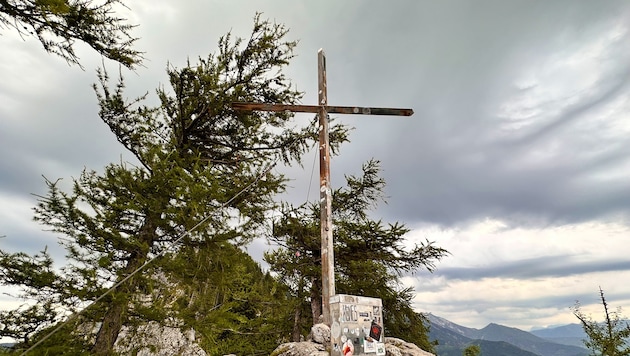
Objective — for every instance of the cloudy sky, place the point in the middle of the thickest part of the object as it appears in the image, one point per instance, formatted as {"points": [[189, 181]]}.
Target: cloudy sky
{"points": [[515, 161]]}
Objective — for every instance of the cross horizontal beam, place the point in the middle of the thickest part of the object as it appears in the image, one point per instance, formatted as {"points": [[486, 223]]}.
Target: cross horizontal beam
{"points": [[315, 109]]}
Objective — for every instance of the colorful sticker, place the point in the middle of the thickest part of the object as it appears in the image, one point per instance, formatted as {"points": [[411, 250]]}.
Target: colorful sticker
{"points": [[348, 348], [369, 347], [375, 331], [380, 349]]}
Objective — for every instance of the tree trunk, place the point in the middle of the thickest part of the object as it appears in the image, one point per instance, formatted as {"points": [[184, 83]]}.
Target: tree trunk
{"points": [[297, 321], [116, 314], [110, 328], [316, 300]]}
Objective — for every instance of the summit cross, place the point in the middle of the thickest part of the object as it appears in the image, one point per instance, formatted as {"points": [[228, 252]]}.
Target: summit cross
{"points": [[322, 110]]}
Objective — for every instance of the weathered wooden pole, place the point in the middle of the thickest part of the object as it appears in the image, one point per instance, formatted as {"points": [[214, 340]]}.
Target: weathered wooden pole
{"points": [[325, 195]]}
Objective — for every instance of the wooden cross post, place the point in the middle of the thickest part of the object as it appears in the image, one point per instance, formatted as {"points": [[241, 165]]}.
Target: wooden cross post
{"points": [[322, 110]]}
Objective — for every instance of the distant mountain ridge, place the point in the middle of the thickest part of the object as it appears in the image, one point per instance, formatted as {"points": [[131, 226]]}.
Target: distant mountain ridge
{"points": [[572, 334], [497, 340], [570, 330]]}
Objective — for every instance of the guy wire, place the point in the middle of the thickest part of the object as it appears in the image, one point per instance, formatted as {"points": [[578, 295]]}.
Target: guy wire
{"points": [[310, 181]]}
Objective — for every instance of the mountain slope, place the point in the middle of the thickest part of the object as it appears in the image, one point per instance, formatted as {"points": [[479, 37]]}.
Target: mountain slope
{"points": [[500, 348], [571, 330], [452, 342], [488, 348], [446, 324], [448, 337], [572, 334], [527, 341], [496, 340]]}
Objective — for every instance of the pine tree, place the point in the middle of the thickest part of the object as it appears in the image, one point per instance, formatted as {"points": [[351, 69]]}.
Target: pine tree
{"points": [[370, 256], [610, 338], [59, 24], [472, 350], [244, 310], [195, 156]]}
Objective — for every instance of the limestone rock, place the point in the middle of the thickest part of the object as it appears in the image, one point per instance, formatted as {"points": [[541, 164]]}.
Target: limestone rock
{"points": [[152, 339], [320, 339], [405, 348], [391, 350], [320, 334], [305, 348]]}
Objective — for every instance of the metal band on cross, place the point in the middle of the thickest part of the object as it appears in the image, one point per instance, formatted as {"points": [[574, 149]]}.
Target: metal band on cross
{"points": [[322, 110]]}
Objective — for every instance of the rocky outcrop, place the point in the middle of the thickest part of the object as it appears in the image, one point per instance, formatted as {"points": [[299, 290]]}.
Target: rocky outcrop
{"points": [[398, 347], [152, 339], [304, 348], [320, 334], [319, 340]]}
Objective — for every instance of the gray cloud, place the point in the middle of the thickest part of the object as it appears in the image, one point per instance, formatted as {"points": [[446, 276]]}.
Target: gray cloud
{"points": [[539, 267], [454, 171]]}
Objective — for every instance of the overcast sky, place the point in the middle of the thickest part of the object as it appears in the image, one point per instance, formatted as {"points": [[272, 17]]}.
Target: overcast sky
{"points": [[516, 159]]}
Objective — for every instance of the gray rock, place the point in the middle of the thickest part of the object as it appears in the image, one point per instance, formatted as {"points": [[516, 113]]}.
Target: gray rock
{"points": [[305, 348], [320, 334], [405, 348], [393, 347], [391, 350], [152, 339]]}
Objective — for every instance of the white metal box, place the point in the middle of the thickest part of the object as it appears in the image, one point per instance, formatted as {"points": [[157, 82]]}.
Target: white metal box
{"points": [[357, 325]]}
